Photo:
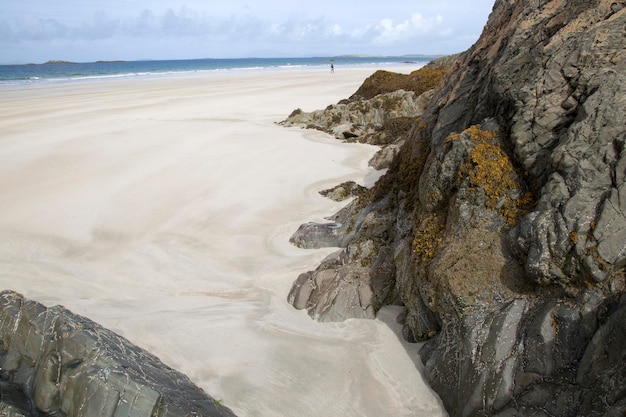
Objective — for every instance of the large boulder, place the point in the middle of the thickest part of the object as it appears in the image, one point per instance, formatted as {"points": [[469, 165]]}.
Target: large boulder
{"points": [[56, 363], [335, 291]]}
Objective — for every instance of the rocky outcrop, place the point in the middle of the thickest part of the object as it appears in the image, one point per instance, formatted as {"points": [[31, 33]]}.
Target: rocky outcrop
{"points": [[380, 113], [55, 363], [335, 291], [344, 191], [501, 224], [418, 81], [349, 282], [367, 121], [318, 235]]}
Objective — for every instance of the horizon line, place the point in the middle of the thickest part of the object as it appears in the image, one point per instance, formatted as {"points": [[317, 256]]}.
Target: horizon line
{"points": [[57, 61]]}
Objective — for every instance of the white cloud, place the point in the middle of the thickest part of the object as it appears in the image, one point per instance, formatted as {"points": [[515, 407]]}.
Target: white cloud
{"points": [[390, 32], [183, 22], [101, 26], [186, 22], [335, 30], [238, 28], [32, 28]]}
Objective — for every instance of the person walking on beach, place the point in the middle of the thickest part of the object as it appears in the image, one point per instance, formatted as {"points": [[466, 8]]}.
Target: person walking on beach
{"points": [[332, 69]]}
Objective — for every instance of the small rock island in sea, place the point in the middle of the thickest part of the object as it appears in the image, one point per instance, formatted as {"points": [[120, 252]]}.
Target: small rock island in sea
{"points": [[57, 62]]}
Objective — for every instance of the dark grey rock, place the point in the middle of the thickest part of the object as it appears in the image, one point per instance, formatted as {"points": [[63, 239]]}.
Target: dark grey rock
{"points": [[383, 158], [317, 235], [610, 231], [335, 291], [53, 362], [560, 106], [509, 252], [601, 371]]}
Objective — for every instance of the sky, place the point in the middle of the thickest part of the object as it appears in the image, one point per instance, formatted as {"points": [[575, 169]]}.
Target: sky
{"points": [[88, 30]]}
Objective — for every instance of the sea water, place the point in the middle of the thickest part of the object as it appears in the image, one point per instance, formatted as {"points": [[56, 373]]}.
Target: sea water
{"points": [[56, 71]]}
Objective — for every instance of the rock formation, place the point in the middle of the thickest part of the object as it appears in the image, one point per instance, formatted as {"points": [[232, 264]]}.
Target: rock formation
{"points": [[55, 363], [344, 191], [501, 223], [380, 113]]}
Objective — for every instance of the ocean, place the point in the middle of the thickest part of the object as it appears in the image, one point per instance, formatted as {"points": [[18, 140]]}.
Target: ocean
{"points": [[59, 71]]}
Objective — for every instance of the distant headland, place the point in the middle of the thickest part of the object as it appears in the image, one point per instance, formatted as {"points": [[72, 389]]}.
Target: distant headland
{"points": [[62, 62], [57, 62]]}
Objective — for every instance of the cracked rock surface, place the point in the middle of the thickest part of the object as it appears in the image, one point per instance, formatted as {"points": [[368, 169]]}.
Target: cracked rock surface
{"points": [[56, 363], [501, 223]]}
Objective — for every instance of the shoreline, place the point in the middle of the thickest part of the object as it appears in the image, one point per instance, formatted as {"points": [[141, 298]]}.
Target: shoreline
{"points": [[162, 210], [395, 67], [97, 71]]}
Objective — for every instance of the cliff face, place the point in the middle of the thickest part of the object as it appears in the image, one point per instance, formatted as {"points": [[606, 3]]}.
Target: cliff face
{"points": [[552, 76], [501, 225]]}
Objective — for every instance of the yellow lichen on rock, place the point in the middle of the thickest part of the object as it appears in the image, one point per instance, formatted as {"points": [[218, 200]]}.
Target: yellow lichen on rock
{"points": [[428, 236], [418, 81], [489, 168]]}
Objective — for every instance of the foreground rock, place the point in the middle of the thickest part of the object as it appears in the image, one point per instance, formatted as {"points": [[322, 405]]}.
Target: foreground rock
{"points": [[501, 224], [335, 291], [55, 363]]}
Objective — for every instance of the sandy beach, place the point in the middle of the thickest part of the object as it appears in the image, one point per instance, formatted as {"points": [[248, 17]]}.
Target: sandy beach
{"points": [[161, 208]]}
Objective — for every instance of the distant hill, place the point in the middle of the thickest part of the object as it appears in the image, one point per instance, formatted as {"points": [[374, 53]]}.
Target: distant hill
{"points": [[57, 62]]}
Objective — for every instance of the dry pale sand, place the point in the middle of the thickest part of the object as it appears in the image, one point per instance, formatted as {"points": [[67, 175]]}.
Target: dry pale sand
{"points": [[162, 207]]}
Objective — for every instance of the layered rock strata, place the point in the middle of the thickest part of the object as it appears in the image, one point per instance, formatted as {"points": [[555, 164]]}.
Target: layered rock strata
{"points": [[501, 224], [55, 363]]}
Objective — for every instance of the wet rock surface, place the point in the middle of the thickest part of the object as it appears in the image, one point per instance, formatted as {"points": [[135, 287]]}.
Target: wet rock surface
{"points": [[501, 224], [56, 363]]}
